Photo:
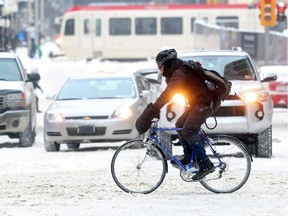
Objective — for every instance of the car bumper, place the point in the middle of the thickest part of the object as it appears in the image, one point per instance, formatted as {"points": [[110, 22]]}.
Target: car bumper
{"points": [[87, 131], [233, 117], [14, 121]]}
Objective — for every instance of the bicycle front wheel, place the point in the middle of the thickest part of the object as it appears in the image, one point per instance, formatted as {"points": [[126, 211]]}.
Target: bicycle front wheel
{"points": [[234, 169], [137, 167]]}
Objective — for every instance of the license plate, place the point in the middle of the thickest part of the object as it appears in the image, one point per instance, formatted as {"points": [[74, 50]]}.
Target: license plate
{"points": [[86, 129]]}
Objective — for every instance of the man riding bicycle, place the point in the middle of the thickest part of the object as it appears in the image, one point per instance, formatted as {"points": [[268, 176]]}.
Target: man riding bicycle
{"points": [[180, 79]]}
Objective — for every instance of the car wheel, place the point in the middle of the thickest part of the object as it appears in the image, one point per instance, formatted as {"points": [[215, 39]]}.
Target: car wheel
{"points": [[51, 146], [264, 143], [73, 146], [27, 137]]}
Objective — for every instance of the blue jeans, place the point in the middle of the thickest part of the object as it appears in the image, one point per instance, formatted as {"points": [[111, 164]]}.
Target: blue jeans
{"points": [[197, 148]]}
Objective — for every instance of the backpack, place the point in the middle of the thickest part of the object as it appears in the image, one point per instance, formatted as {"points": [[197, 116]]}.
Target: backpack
{"points": [[218, 85]]}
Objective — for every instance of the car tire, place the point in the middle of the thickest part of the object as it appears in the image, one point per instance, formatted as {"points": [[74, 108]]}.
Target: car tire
{"points": [[73, 146], [51, 146], [27, 137], [263, 146]]}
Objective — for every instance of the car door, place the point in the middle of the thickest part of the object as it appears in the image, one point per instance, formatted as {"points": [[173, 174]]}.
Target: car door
{"points": [[143, 92]]}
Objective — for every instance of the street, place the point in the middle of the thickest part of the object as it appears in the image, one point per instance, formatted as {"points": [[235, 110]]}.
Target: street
{"points": [[36, 182]]}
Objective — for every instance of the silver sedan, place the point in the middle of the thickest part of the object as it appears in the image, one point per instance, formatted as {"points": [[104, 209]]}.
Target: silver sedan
{"points": [[95, 108]]}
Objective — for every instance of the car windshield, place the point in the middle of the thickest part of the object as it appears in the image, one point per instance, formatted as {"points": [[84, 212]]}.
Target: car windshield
{"points": [[231, 67], [97, 88], [9, 70]]}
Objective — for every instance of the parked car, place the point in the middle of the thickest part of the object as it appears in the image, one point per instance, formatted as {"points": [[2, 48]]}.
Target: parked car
{"points": [[279, 88], [95, 108], [17, 100], [245, 114]]}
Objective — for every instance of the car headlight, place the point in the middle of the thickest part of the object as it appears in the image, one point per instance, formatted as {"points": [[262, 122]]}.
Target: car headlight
{"points": [[179, 99], [123, 113], [55, 116], [252, 97], [15, 99]]}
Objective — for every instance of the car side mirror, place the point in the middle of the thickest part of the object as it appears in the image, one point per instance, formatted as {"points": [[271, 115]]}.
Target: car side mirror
{"points": [[152, 79], [33, 77], [268, 77]]}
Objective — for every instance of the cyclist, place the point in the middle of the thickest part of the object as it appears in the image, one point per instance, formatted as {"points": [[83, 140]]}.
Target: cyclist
{"points": [[180, 79]]}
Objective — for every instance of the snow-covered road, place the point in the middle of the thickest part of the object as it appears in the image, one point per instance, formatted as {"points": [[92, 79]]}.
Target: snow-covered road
{"points": [[34, 182]]}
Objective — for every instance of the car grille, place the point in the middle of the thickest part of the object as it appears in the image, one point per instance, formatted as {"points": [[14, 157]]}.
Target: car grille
{"points": [[86, 131], [83, 117], [1, 101], [53, 133], [117, 132], [231, 110]]}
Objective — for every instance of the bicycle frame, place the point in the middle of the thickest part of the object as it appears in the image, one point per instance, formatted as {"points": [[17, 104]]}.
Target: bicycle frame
{"points": [[132, 174], [202, 134]]}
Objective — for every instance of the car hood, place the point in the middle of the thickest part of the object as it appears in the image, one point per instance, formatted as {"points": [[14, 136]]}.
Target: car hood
{"points": [[245, 86], [89, 107], [4, 85]]}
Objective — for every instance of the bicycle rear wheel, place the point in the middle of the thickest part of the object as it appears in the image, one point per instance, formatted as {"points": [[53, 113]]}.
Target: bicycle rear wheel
{"points": [[138, 169], [233, 173]]}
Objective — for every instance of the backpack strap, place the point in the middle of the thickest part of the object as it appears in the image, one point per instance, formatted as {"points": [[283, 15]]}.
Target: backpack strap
{"points": [[210, 107]]}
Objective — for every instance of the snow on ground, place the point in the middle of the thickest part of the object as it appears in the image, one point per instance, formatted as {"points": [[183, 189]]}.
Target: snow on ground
{"points": [[34, 182]]}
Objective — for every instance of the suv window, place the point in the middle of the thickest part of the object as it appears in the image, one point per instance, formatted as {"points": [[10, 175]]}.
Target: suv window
{"points": [[9, 70], [231, 67]]}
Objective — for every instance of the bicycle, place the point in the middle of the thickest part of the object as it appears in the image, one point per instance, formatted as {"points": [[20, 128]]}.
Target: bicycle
{"points": [[140, 166]]}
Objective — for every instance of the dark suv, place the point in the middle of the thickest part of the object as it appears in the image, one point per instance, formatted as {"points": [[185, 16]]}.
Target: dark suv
{"points": [[17, 100]]}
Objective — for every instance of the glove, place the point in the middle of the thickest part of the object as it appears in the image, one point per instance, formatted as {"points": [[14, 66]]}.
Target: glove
{"points": [[143, 123]]}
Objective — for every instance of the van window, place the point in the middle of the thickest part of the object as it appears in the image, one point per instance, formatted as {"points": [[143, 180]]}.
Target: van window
{"points": [[171, 25], [86, 26], [69, 27], [145, 26], [98, 27], [192, 23], [120, 26]]}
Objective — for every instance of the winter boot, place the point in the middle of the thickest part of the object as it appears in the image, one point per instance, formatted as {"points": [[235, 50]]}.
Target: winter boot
{"points": [[187, 154], [205, 167]]}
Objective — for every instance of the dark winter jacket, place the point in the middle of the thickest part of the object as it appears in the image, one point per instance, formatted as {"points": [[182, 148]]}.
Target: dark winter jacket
{"points": [[181, 80]]}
